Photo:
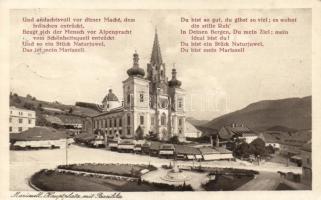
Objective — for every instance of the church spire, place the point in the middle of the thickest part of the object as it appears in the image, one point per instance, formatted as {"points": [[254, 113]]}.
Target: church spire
{"points": [[156, 58]]}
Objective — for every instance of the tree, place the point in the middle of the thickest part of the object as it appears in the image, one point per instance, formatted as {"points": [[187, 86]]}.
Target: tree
{"points": [[39, 107], [243, 150], [70, 110], [17, 100], [258, 146], [174, 140], [139, 133], [29, 96], [270, 149], [29, 106]]}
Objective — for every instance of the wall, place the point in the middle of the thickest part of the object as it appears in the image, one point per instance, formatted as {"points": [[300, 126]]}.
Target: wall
{"points": [[21, 120]]}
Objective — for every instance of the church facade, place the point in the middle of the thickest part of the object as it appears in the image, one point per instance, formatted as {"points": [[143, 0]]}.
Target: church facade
{"points": [[152, 104]]}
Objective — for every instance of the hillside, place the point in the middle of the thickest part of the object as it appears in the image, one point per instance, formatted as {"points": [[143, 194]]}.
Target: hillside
{"points": [[44, 109], [32, 103], [294, 113], [196, 122]]}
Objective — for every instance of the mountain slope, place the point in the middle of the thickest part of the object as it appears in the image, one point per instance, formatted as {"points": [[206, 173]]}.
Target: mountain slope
{"points": [[292, 112], [196, 122]]}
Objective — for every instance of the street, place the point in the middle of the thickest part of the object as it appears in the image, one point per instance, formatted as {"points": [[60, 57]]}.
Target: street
{"points": [[23, 164]]}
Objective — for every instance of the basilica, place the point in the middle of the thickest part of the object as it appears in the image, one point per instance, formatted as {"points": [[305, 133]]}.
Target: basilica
{"points": [[152, 103]]}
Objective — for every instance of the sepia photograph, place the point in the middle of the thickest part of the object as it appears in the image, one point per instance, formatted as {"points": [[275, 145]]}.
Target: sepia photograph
{"points": [[154, 100]]}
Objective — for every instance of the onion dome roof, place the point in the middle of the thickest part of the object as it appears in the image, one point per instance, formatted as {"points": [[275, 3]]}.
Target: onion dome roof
{"points": [[136, 70]]}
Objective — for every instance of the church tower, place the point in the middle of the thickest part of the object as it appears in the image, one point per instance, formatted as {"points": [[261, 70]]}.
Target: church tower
{"points": [[176, 112], [136, 96], [156, 71]]}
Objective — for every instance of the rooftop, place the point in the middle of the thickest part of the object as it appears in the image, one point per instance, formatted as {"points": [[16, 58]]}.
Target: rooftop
{"points": [[38, 133], [110, 96], [235, 130]]}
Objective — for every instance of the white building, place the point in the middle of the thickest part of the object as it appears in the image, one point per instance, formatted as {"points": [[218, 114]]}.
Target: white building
{"points": [[21, 119], [191, 131], [152, 103]]}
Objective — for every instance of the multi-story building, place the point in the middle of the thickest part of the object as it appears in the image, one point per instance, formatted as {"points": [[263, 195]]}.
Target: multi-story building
{"points": [[152, 103], [21, 119]]}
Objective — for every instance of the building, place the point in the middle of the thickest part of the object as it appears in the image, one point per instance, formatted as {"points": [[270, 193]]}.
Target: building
{"points": [[40, 137], [241, 132], [185, 152], [152, 103], [271, 139], [71, 123], [217, 153], [21, 119], [191, 131], [306, 164]]}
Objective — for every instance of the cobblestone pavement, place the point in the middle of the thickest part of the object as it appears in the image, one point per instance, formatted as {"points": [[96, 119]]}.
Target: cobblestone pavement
{"points": [[25, 163]]}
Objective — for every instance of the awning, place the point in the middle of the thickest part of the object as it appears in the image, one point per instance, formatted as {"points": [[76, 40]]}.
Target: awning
{"points": [[296, 158]]}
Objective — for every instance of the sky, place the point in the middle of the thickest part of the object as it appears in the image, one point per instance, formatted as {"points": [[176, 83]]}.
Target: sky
{"points": [[215, 83]]}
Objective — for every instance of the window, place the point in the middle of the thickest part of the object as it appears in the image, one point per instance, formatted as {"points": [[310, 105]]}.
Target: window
{"points": [[120, 122], [10, 129], [20, 120], [111, 123], [141, 97], [105, 123], [128, 131], [120, 132], [20, 113], [180, 103], [163, 119], [180, 122], [128, 120], [20, 129], [152, 121], [115, 122], [110, 132], [29, 121], [308, 160], [128, 99], [10, 119], [141, 119]]}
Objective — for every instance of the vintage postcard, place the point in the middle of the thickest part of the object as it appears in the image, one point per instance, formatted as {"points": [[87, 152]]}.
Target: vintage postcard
{"points": [[112, 103]]}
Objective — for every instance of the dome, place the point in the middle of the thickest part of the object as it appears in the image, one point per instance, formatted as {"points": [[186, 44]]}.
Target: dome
{"points": [[136, 70], [110, 96], [174, 83]]}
